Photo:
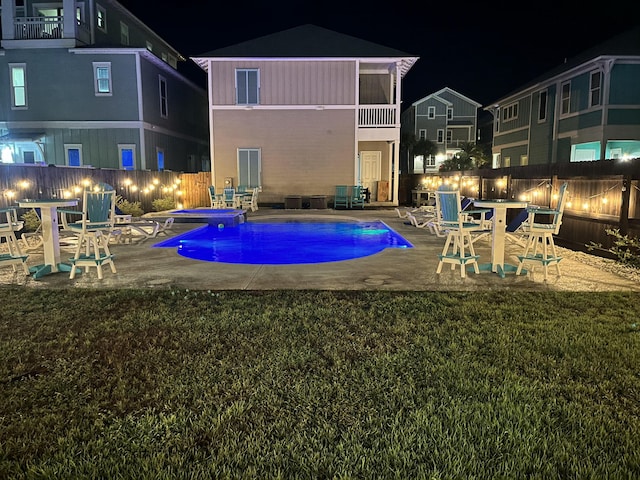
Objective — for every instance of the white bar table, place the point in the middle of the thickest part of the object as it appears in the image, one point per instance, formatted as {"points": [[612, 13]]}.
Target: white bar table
{"points": [[50, 237], [498, 231]]}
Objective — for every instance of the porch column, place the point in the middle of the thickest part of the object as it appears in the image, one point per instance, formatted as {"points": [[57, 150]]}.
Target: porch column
{"points": [[8, 19], [69, 21]]}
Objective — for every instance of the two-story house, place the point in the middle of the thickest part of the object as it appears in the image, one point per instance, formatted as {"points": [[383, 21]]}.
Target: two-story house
{"points": [[586, 109], [86, 83], [303, 110], [448, 119]]}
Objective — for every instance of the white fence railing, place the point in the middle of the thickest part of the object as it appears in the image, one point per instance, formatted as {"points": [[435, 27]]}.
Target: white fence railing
{"points": [[30, 28]]}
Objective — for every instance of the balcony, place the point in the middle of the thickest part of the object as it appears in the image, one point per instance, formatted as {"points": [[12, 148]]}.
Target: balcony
{"points": [[378, 116], [46, 28]]}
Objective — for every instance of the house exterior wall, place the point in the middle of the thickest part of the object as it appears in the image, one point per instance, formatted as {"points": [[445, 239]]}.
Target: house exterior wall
{"points": [[317, 155], [592, 129], [289, 82]]}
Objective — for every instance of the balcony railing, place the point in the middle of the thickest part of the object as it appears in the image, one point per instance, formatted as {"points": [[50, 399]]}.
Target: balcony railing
{"points": [[378, 116], [32, 28]]}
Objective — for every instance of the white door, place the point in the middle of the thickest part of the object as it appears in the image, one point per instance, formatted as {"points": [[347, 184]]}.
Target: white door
{"points": [[370, 171]]}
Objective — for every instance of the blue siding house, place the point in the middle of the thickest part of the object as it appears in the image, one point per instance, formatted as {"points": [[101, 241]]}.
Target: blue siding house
{"points": [[585, 109], [86, 83]]}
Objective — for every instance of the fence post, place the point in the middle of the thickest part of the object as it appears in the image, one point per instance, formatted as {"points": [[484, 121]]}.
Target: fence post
{"points": [[623, 223]]}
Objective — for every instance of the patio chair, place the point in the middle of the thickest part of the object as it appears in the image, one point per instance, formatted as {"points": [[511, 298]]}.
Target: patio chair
{"points": [[250, 200], [216, 199], [229, 198], [341, 198], [540, 234], [357, 197], [459, 231], [93, 230], [8, 226], [163, 228]]}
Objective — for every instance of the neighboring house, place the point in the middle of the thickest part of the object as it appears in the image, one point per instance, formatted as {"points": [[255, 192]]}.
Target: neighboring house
{"points": [[586, 109], [88, 84], [303, 110], [446, 118]]}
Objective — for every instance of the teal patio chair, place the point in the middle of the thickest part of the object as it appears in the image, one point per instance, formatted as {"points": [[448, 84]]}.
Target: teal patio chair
{"points": [[357, 197], [459, 229], [215, 198], [93, 230], [341, 198], [539, 234]]}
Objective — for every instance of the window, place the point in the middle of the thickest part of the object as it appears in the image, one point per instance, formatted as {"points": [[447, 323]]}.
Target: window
{"points": [[18, 73], [542, 106], [496, 121], [431, 161], [431, 112], [566, 97], [73, 155], [163, 98], [440, 135], [160, 159], [247, 86], [102, 78], [127, 154], [249, 167], [524, 160], [507, 162], [510, 112], [124, 33], [449, 136], [422, 134], [101, 18], [449, 113], [595, 89]]}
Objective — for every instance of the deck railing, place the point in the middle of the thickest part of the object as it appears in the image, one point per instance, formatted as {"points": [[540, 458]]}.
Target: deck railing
{"points": [[31, 28]]}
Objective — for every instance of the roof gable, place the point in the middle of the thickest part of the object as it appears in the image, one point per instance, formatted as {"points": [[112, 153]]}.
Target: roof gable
{"points": [[309, 41], [437, 96]]}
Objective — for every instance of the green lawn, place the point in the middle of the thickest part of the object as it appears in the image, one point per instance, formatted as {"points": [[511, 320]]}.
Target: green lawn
{"points": [[301, 384]]}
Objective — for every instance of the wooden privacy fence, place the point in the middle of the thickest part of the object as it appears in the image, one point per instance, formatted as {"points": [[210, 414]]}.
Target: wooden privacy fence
{"points": [[34, 181], [601, 195]]}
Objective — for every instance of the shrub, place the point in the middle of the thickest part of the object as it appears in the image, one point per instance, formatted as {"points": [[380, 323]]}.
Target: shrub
{"points": [[31, 221], [626, 248], [130, 208], [162, 204]]}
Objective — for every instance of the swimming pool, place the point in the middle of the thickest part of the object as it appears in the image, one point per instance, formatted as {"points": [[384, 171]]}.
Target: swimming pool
{"points": [[286, 242]]}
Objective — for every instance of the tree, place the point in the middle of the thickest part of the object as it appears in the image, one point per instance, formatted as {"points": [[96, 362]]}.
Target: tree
{"points": [[470, 156], [407, 141], [425, 148]]}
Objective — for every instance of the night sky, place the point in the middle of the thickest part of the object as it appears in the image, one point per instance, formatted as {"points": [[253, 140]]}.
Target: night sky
{"points": [[482, 51]]}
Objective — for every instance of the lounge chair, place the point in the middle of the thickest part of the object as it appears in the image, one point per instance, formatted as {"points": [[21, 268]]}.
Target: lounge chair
{"points": [[356, 199], [341, 198]]}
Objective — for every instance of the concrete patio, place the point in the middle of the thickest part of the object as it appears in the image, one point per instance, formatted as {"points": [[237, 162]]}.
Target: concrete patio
{"points": [[141, 266]]}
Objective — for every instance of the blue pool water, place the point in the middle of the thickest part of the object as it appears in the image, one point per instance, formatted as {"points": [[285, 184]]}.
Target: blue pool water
{"points": [[286, 243]]}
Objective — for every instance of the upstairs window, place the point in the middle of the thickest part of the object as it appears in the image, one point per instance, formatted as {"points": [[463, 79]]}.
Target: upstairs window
{"points": [[542, 106], [510, 112], [164, 110], [18, 78], [431, 112], [247, 86], [101, 18], [124, 33], [449, 113], [565, 99], [595, 89], [102, 78], [440, 135]]}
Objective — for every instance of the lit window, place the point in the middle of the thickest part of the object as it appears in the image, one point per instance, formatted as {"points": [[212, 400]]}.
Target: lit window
{"points": [[102, 78], [247, 86], [73, 155], [127, 155], [18, 73], [160, 159], [101, 18]]}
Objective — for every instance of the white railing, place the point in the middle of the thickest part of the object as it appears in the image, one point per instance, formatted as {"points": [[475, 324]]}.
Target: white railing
{"points": [[377, 116], [30, 28]]}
